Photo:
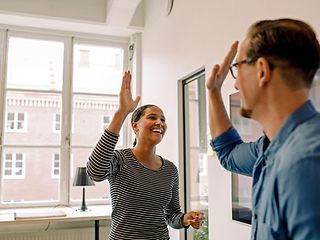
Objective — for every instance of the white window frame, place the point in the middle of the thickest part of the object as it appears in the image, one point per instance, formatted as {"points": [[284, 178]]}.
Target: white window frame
{"points": [[14, 166], [68, 38]]}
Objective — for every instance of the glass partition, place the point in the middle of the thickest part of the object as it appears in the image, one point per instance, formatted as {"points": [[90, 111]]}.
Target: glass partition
{"points": [[194, 157]]}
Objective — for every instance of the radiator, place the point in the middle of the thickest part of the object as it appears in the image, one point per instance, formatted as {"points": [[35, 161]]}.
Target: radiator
{"points": [[65, 234]]}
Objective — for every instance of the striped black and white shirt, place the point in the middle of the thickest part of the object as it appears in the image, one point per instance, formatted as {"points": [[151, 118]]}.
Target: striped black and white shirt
{"points": [[144, 201]]}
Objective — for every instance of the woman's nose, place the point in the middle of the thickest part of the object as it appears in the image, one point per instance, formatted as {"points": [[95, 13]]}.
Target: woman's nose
{"points": [[158, 122]]}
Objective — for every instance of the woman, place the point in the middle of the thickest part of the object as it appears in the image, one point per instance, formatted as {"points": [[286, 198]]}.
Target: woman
{"points": [[143, 185]]}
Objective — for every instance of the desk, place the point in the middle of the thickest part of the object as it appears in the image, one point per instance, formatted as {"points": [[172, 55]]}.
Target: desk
{"points": [[95, 213]]}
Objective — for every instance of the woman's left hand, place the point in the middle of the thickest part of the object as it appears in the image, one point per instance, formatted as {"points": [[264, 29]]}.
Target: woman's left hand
{"points": [[193, 219]]}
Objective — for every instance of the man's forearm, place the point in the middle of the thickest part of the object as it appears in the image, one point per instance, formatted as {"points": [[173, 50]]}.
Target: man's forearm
{"points": [[219, 121]]}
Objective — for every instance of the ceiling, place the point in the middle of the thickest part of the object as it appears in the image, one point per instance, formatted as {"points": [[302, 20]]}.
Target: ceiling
{"points": [[109, 17]]}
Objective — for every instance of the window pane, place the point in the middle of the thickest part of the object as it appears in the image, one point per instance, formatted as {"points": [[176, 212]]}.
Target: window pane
{"points": [[37, 124], [97, 69], [8, 164], [34, 64], [10, 116], [10, 121], [18, 164], [96, 85], [87, 111], [32, 181], [33, 95], [195, 150]]}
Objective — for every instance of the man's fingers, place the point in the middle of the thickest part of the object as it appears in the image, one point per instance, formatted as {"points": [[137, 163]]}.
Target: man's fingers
{"points": [[228, 60], [230, 55], [213, 76]]}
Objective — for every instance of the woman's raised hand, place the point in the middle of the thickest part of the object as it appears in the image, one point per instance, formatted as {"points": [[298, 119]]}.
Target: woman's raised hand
{"points": [[127, 104]]}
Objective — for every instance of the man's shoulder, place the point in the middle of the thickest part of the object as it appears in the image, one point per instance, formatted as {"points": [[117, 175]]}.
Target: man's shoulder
{"points": [[303, 142], [309, 131]]}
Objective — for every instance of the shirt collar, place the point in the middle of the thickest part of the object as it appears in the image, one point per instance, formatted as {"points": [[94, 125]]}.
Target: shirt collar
{"points": [[303, 113]]}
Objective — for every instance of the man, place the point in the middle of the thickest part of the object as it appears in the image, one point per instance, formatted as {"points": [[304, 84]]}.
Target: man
{"points": [[274, 69]]}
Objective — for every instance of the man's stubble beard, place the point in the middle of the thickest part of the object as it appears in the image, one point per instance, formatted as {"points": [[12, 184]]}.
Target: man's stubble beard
{"points": [[246, 113]]}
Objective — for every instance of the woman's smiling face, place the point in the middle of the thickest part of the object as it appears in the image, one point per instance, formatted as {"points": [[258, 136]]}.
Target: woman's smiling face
{"points": [[151, 126]]}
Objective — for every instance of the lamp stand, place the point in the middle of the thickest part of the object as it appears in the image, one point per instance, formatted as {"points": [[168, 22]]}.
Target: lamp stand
{"points": [[83, 205]]}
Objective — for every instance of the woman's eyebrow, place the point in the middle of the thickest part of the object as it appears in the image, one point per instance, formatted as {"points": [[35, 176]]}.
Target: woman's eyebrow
{"points": [[155, 114]]}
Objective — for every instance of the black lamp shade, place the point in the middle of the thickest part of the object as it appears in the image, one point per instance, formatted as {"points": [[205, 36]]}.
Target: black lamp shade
{"points": [[81, 178]]}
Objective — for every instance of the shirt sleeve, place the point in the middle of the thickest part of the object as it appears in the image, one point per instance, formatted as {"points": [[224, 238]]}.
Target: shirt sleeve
{"points": [[173, 212], [104, 161], [235, 155], [299, 198]]}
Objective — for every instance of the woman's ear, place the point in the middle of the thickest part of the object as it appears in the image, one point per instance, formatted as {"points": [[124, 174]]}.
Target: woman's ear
{"points": [[264, 71], [134, 126]]}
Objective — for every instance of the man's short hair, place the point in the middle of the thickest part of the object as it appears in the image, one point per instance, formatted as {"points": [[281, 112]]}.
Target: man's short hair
{"points": [[289, 44]]}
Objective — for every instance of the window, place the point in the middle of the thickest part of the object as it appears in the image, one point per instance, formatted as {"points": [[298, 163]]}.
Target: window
{"points": [[97, 75], [51, 119], [56, 165], [16, 122], [84, 58], [14, 166], [56, 122], [105, 122]]}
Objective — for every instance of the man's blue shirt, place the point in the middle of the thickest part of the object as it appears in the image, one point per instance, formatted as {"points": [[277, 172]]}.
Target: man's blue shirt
{"points": [[285, 175]]}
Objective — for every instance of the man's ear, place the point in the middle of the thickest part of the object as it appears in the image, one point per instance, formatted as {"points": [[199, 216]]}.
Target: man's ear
{"points": [[264, 72]]}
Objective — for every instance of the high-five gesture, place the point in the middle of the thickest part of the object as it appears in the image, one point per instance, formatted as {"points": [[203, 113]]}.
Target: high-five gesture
{"points": [[220, 72], [219, 121], [126, 105]]}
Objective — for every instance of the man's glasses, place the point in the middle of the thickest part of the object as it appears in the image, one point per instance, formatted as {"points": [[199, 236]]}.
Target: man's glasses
{"points": [[234, 67]]}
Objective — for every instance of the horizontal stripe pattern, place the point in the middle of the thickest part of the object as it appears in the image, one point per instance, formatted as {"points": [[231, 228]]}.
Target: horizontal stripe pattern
{"points": [[144, 201]]}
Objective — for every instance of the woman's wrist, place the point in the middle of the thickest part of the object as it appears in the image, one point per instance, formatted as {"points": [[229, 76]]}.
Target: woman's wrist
{"points": [[184, 221]]}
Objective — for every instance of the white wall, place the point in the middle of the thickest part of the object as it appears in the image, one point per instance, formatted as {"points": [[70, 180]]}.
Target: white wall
{"points": [[198, 33]]}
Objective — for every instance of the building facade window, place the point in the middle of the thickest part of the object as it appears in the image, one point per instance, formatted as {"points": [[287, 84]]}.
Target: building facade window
{"points": [[105, 122], [14, 166], [56, 122], [16, 122], [56, 165]]}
